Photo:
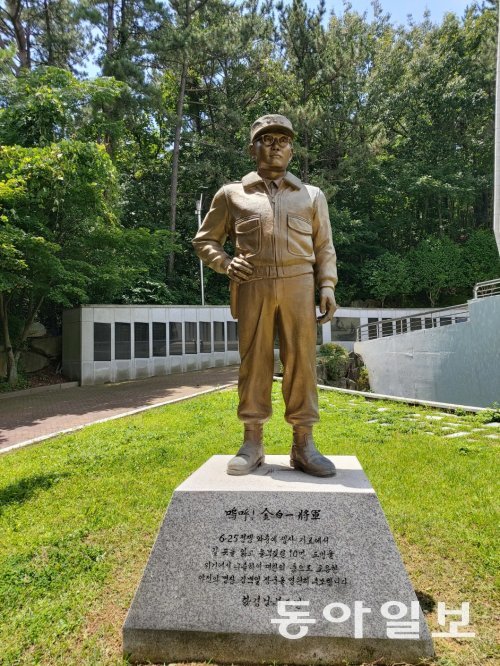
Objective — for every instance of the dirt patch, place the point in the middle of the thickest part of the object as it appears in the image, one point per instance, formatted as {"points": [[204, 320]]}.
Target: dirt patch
{"points": [[46, 377]]}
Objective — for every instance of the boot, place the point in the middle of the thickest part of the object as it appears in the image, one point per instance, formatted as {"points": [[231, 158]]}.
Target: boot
{"points": [[251, 453], [306, 457]]}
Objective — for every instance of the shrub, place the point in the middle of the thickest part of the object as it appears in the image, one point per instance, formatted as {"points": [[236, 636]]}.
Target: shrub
{"points": [[335, 359], [363, 379], [332, 349]]}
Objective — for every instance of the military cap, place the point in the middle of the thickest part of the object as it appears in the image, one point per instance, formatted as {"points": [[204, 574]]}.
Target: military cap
{"points": [[271, 123]]}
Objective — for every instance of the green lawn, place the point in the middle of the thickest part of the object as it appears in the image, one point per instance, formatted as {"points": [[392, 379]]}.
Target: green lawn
{"points": [[79, 514]]}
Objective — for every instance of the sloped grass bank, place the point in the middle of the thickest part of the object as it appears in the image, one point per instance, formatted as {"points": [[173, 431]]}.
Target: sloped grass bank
{"points": [[79, 514]]}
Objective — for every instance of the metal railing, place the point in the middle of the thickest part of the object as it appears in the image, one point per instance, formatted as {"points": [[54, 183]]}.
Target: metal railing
{"points": [[487, 288], [456, 314]]}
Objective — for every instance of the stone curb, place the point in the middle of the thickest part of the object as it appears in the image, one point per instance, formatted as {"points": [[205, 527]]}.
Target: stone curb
{"points": [[395, 398], [131, 412], [38, 389]]}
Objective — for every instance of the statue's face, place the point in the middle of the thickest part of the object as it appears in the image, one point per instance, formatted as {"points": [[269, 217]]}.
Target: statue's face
{"points": [[272, 150]]}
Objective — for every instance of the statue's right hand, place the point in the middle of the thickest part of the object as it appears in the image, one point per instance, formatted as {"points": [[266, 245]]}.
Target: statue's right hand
{"points": [[239, 269]]}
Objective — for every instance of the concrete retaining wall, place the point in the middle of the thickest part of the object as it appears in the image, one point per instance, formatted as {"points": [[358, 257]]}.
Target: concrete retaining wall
{"points": [[457, 364]]}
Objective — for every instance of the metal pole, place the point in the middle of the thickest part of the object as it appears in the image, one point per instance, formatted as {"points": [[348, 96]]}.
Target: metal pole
{"points": [[198, 214]]}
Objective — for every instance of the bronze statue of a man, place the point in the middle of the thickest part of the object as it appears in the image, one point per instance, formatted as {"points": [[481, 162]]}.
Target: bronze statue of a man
{"points": [[281, 233]]}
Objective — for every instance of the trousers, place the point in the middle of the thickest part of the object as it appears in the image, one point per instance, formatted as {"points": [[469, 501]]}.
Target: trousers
{"points": [[284, 306]]}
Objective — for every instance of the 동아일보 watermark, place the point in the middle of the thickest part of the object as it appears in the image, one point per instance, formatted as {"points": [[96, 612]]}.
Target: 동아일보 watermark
{"points": [[401, 622]]}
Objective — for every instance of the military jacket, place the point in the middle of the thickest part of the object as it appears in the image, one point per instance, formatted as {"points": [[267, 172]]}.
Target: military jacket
{"points": [[283, 235]]}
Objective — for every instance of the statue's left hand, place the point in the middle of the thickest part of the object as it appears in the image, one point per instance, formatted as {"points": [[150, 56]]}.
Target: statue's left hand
{"points": [[327, 304]]}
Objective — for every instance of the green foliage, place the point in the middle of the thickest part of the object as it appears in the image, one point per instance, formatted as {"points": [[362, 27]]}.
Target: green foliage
{"points": [[480, 257], [388, 276], [436, 265], [46, 32], [22, 383], [335, 359], [7, 55], [49, 104], [395, 124], [60, 236], [493, 414], [363, 380], [11, 258], [62, 194], [332, 349]]}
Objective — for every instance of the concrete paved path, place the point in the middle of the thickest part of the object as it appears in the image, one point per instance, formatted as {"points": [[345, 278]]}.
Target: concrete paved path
{"points": [[36, 416]]}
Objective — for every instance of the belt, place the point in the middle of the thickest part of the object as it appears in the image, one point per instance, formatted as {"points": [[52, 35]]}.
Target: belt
{"points": [[280, 271]]}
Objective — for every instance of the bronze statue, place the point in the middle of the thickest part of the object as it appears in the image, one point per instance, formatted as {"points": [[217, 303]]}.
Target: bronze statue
{"points": [[281, 233]]}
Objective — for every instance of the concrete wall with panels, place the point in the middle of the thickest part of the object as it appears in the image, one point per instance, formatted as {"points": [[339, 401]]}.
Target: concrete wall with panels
{"points": [[94, 360], [96, 339], [457, 364]]}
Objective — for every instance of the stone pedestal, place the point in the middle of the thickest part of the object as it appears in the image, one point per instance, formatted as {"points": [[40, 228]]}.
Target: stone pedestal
{"points": [[231, 548]]}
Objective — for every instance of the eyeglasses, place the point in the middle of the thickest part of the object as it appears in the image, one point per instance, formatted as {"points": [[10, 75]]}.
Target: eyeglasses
{"points": [[269, 140]]}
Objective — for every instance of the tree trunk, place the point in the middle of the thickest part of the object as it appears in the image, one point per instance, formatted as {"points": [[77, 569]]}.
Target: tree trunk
{"points": [[175, 158], [31, 318], [13, 357], [123, 31], [433, 296], [12, 376], [14, 9], [305, 175], [185, 15], [48, 29], [110, 32]]}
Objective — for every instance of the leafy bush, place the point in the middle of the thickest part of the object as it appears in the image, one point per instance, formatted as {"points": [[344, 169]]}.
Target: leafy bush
{"points": [[493, 413], [332, 349], [335, 359], [363, 379], [336, 367]]}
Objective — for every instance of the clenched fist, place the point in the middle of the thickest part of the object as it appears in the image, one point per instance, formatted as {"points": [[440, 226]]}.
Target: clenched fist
{"points": [[239, 269], [327, 304]]}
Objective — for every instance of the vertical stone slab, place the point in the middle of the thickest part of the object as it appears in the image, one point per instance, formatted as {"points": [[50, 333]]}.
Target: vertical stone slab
{"points": [[230, 548]]}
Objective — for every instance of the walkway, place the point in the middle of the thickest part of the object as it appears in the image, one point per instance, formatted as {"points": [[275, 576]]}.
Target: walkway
{"points": [[39, 415]]}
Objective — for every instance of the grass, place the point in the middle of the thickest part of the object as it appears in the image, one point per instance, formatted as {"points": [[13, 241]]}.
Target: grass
{"points": [[79, 514]]}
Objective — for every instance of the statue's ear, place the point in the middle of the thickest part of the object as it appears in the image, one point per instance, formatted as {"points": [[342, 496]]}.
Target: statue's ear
{"points": [[251, 150]]}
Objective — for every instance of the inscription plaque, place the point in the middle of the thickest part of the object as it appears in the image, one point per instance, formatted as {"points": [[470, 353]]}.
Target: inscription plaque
{"points": [[231, 548]]}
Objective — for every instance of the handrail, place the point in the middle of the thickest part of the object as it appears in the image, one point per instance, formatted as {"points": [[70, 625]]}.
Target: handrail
{"points": [[386, 328], [487, 288]]}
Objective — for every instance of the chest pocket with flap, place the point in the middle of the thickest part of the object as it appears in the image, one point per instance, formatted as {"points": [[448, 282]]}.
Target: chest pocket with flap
{"points": [[299, 232], [248, 235]]}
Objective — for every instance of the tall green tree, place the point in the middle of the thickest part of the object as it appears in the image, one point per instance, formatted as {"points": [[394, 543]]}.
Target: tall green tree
{"points": [[303, 42], [56, 199], [179, 44], [46, 32], [59, 204], [389, 277], [48, 104], [395, 124], [209, 54], [436, 266], [123, 32]]}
